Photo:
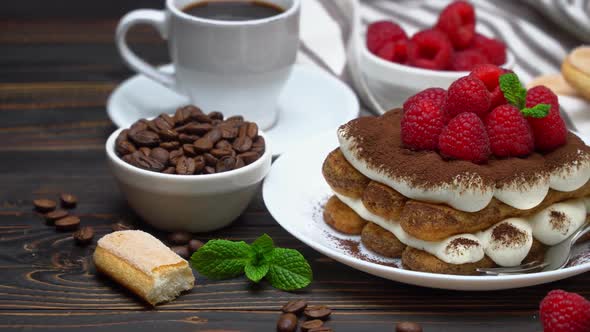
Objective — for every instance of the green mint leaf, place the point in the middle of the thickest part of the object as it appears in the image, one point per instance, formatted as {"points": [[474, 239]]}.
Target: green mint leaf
{"points": [[288, 269], [222, 259], [537, 111], [263, 245], [256, 272], [513, 90]]}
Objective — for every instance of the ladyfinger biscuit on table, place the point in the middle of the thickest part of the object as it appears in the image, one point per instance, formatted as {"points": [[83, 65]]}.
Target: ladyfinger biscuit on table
{"points": [[144, 265]]}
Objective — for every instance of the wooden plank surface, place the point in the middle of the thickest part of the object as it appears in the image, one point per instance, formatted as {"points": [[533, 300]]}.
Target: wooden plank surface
{"points": [[57, 67]]}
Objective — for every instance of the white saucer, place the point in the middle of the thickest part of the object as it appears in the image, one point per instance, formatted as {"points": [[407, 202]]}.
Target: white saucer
{"points": [[294, 193], [312, 101]]}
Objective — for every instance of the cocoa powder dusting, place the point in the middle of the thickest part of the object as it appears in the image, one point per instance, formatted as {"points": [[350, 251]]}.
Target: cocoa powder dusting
{"points": [[508, 235], [460, 242], [379, 143], [559, 221], [352, 248]]}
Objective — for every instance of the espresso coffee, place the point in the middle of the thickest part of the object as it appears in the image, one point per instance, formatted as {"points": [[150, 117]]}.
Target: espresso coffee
{"points": [[233, 10]]}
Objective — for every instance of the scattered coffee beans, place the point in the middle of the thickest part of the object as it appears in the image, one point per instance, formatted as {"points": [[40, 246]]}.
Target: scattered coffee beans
{"points": [[44, 205], [84, 235], [68, 201], [68, 223], [311, 324], [179, 237], [408, 327], [287, 323], [190, 142], [181, 251], [294, 307], [317, 312], [194, 245], [53, 216]]}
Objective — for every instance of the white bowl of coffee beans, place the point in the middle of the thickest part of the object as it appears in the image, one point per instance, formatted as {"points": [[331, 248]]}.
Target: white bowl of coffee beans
{"points": [[189, 171]]}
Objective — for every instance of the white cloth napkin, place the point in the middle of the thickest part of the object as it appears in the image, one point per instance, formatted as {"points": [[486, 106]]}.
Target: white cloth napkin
{"points": [[538, 45]]}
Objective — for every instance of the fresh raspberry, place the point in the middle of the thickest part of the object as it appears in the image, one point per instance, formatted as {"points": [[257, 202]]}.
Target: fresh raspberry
{"points": [[550, 132], [421, 125], [378, 33], [490, 74], [395, 51], [430, 49], [457, 21], [561, 311], [465, 138], [467, 59], [493, 48], [436, 95], [467, 94], [509, 132]]}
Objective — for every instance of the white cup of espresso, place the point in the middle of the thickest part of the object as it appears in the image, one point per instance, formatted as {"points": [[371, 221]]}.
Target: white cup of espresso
{"points": [[235, 66]]}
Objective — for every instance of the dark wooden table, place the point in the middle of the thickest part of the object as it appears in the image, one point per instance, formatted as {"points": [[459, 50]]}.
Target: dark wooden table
{"points": [[58, 64]]}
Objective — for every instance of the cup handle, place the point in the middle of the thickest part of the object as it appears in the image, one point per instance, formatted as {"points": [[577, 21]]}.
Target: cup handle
{"points": [[157, 19]]}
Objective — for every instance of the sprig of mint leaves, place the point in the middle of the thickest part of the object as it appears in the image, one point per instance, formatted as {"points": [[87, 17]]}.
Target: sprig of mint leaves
{"points": [[285, 269], [515, 94]]}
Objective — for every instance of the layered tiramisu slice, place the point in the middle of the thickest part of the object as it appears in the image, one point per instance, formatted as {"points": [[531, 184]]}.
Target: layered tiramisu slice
{"points": [[451, 183]]}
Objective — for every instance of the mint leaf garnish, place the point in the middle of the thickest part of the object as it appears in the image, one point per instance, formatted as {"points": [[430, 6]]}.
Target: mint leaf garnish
{"points": [[537, 111], [285, 269], [222, 259], [513, 90], [264, 244], [288, 269], [256, 272]]}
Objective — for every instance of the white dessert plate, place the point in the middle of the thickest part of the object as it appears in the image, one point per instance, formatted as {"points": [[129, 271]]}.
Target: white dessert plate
{"points": [[312, 102], [295, 191]]}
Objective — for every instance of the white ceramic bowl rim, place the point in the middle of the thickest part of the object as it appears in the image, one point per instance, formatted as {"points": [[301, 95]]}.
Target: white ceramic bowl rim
{"points": [[110, 149], [422, 71]]}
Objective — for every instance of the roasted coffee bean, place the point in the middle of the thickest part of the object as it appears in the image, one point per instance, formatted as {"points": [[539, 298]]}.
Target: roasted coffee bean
{"points": [[239, 163], [243, 129], [210, 159], [139, 125], [168, 135], [188, 139], [195, 128], [159, 124], [203, 144], [215, 116], [68, 201], [179, 237], [44, 205], [252, 130], [183, 114], [249, 157], [259, 150], [121, 226], [408, 327], [311, 324], [287, 323], [199, 163], [124, 147], [128, 158], [174, 155], [258, 142], [68, 223], [185, 166], [122, 136], [214, 135], [228, 132], [84, 235], [194, 245], [294, 307], [223, 144], [181, 251], [208, 170], [321, 329], [169, 170], [242, 144], [147, 163], [160, 155], [218, 153], [189, 150], [317, 312], [225, 164], [145, 138], [170, 145], [201, 117], [146, 151], [168, 119], [235, 118], [52, 216]]}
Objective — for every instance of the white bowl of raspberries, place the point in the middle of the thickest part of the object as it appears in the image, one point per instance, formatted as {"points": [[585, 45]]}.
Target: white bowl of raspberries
{"points": [[434, 57]]}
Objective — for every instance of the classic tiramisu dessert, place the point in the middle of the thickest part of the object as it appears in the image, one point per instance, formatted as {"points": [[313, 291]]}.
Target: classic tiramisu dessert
{"points": [[484, 174]]}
